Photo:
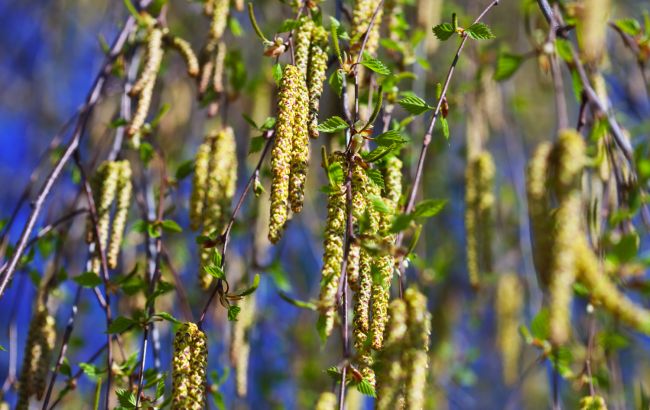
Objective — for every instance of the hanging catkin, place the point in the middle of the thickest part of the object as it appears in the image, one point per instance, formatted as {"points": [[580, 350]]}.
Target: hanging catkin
{"points": [[143, 88], [316, 75], [300, 147], [189, 366], [105, 184], [219, 10], [568, 158], [239, 344], [509, 304], [185, 50], [416, 360], [124, 190], [538, 210], [38, 351], [390, 394], [593, 403], [199, 184], [303, 37], [479, 201], [327, 401], [361, 18], [332, 250]]}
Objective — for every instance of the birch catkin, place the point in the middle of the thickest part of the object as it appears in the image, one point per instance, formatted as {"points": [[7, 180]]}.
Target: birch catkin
{"points": [[390, 392], [303, 41], [509, 304], [316, 75], [327, 401], [416, 361], [38, 351], [240, 345], [332, 250], [124, 190], [189, 366], [219, 12], [361, 18], [300, 147], [184, 48], [105, 183], [569, 158], [199, 184]]}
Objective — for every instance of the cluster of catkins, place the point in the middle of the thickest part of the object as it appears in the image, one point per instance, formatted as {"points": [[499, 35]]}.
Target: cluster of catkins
{"points": [[213, 187], [403, 363], [111, 184], [370, 263], [361, 18], [156, 39], [509, 306], [213, 54], [38, 351], [189, 368], [479, 204], [562, 253], [239, 343]]}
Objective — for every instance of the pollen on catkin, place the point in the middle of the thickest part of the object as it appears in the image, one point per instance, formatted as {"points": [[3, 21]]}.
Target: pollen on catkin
{"points": [[124, 190], [219, 14], [316, 75], [416, 360], [240, 345], [327, 401], [509, 304], [281, 155], [106, 181], [300, 147], [332, 250], [539, 211], [593, 403], [568, 157], [184, 48], [38, 351], [217, 75], [361, 17], [303, 36], [199, 184], [479, 201], [189, 366], [143, 88], [389, 367]]}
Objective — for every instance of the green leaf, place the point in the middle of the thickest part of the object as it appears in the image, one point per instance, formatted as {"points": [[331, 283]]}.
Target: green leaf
{"points": [[126, 398], [400, 222], [443, 31], [160, 388], [364, 387], [233, 311], [288, 25], [625, 249], [375, 177], [268, 124], [429, 208], [134, 12], [215, 271], [277, 73], [336, 81], [90, 370], [297, 303], [256, 144], [171, 226], [563, 48], [120, 324], [539, 326], [629, 26], [252, 288], [479, 31], [374, 64], [444, 127], [88, 280], [391, 137], [65, 368], [379, 205], [334, 373], [235, 27], [507, 65], [333, 124], [249, 120], [168, 317], [414, 104], [146, 152], [335, 174], [184, 169]]}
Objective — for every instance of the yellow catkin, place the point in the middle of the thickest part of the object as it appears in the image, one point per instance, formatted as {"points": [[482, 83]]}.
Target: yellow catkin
{"points": [[361, 17], [189, 365], [300, 147], [219, 15], [538, 210], [604, 292], [568, 157], [240, 345], [184, 48], [393, 181], [383, 269], [591, 28], [327, 401], [220, 189], [124, 190], [38, 351], [316, 75], [359, 203], [144, 86], [282, 153], [219, 59], [593, 403], [199, 182], [416, 358], [509, 304], [303, 36], [106, 182], [390, 370], [332, 250], [479, 201]]}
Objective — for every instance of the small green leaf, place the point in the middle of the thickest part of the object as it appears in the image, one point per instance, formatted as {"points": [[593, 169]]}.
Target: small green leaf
{"points": [[90, 370], [252, 288], [256, 144], [2, 348], [120, 324], [380, 152], [268, 124], [126, 398], [375, 177], [444, 127], [215, 271], [333, 124], [335, 174], [171, 226], [539, 326], [443, 31], [507, 65], [391, 137], [233, 311], [88, 280], [629, 26], [401, 222], [414, 104], [184, 169], [168, 317], [277, 73], [336, 81], [297, 303], [334, 373], [146, 152], [364, 387], [374, 64], [479, 31], [379, 205], [429, 208]]}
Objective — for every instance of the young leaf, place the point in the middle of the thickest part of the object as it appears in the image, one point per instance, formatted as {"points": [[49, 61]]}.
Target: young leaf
{"points": [[629, 26], [335, 174], [336, 81], [429, 208], [400, 222], [256, 144], [88, 280], [375, 177], [233, 312], [215, 271], [374, 64], [414, 104], [444, 127], [184, 169], [443, 31], [171, 226], [277, 73], [252, 288], [297, 303], [379, 205], [333, 124], [380, 152], [120, 324], [126, 398], [168, 317], [364, 387], [479, 31], [507, 65], [391, 137]]}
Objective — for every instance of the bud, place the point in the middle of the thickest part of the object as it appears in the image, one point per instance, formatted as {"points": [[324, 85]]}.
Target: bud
{"points": [[189, 365]]}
